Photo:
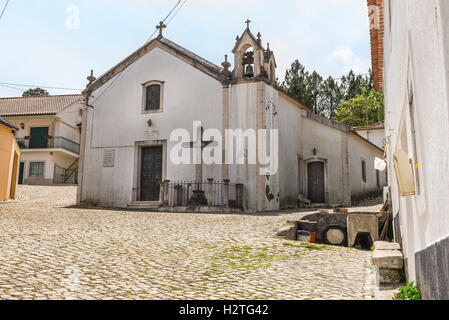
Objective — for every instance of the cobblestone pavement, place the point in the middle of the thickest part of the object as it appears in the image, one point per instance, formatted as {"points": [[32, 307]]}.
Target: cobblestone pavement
{"points": [[51, 250]]}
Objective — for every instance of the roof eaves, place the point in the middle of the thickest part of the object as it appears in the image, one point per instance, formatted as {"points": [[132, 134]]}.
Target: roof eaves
{"points": [[8, 124]]}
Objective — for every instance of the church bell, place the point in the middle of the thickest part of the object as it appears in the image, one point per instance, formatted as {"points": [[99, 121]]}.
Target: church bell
{"points": [[249, 72]]}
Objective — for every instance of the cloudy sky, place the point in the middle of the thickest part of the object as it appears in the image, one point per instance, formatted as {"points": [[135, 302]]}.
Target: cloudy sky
{"points": [[41, 43]]}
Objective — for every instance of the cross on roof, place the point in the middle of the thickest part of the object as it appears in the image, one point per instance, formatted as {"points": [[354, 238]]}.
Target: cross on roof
{"points": [[161, 26], [247, 23]]}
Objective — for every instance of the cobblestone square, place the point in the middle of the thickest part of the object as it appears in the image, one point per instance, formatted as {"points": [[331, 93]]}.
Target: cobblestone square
{"points": [[50, 249]]}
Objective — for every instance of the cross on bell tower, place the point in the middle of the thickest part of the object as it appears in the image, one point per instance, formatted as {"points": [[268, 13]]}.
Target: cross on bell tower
{"points": [[161, 26]]}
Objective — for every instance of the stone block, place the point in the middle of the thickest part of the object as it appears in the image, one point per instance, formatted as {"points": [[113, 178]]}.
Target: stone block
{"points": [[389, 259], [390, 276], [288, 232], [383, 245], [362, 223]]}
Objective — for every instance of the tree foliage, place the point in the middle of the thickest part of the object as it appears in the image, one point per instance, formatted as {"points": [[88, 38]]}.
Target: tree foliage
{"points": [[36, 92], [354, 112], [333, 98]]}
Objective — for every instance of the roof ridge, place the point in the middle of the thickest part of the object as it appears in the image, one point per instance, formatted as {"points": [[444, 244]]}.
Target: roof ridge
{"points": [[190, 51], [210, 68], [49, 96]]}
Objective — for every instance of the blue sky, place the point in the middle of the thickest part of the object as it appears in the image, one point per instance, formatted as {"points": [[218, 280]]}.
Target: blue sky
{"points": [[329, 36]]}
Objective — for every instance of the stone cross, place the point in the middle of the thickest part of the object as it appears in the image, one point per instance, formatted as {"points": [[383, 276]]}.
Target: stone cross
{"points": [[161, 26], [198, 147], [247, 23], [198, 197]]}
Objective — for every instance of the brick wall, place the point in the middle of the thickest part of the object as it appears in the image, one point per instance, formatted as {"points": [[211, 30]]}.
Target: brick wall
{"points": [[377, 47]]}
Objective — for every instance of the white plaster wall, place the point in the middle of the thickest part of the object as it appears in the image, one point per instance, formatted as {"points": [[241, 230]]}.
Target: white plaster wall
{"points": [[67, 126], [328, 142], [271, 108], [374, 136], [46, 157], [290, 149], [359, 150], [242, 115], [116, 122], [416, 49], [29, 123]]}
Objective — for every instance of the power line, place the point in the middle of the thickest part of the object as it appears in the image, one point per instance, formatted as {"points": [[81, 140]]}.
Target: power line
{"points": [[125, 70], [11, 87], [171, 11], [4, 9], [37, 86], [176, 12]]}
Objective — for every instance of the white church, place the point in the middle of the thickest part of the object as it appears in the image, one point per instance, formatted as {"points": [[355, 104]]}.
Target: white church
{"points": [[132, 111]]}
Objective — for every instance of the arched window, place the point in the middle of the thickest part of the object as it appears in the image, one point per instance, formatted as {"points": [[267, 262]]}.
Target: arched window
{"points": [[248, 63], [152, 96]]}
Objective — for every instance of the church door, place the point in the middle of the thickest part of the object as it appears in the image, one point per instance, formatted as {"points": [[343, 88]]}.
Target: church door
{"points": [[151, 173], [315, 177]]}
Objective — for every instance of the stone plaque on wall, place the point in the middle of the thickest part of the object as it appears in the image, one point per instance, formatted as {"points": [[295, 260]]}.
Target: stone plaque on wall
{"points": [[108, 158], [152, 135]]}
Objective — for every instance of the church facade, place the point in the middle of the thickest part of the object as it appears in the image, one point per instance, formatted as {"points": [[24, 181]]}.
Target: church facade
{"points": [[132, 112]]}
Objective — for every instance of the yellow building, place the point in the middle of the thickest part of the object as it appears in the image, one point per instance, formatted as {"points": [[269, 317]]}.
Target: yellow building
{"points": [[9, 160]]}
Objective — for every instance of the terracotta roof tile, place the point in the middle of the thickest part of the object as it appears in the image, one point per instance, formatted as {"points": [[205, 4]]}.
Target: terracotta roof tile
{"points": [[42, 105], [376, 126]]}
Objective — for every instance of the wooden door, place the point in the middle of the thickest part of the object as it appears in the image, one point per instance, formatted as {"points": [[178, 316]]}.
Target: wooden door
{"points": [[151, 173], [38, 140], [315, 178], [21, 170]]}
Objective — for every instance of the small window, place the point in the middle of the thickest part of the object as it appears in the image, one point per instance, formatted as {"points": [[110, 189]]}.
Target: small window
{"points": [[364, 170], [153, 97], [36, 169]]}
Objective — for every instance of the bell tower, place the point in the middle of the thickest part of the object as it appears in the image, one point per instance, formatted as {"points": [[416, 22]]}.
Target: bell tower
{"points": [[251, 60]]}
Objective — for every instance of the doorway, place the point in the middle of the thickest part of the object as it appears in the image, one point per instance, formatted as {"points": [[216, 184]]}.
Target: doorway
{"points": [[151, 173], [316, 183], [21, 171], [38, 140]]}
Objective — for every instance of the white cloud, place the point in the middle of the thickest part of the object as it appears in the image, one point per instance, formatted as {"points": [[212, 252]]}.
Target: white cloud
{"points": [[349, 60]]}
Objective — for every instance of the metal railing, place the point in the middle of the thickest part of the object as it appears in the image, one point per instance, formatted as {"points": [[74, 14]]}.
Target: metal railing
{"points": [[195, 194], [53, 143]]}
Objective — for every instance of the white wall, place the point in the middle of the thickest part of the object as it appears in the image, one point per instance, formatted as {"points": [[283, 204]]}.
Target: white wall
{"points": [[66, 124], [359, 151], [374, 136], [242, 114], [116, 122], [290, 150], [46, 157], [416, 52]]}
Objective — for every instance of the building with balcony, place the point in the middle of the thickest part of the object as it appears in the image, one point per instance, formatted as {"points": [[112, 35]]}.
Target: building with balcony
{"points": [[49, 137]]}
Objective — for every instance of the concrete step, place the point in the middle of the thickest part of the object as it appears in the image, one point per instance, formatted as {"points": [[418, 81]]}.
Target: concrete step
{"points": [[144, 205]]}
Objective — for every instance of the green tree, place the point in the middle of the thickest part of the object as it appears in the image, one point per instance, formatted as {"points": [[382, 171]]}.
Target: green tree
{"points": [[314, 83], [324, 96], [331, 95], [303, 85], [352, 113], [35, 92]]}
